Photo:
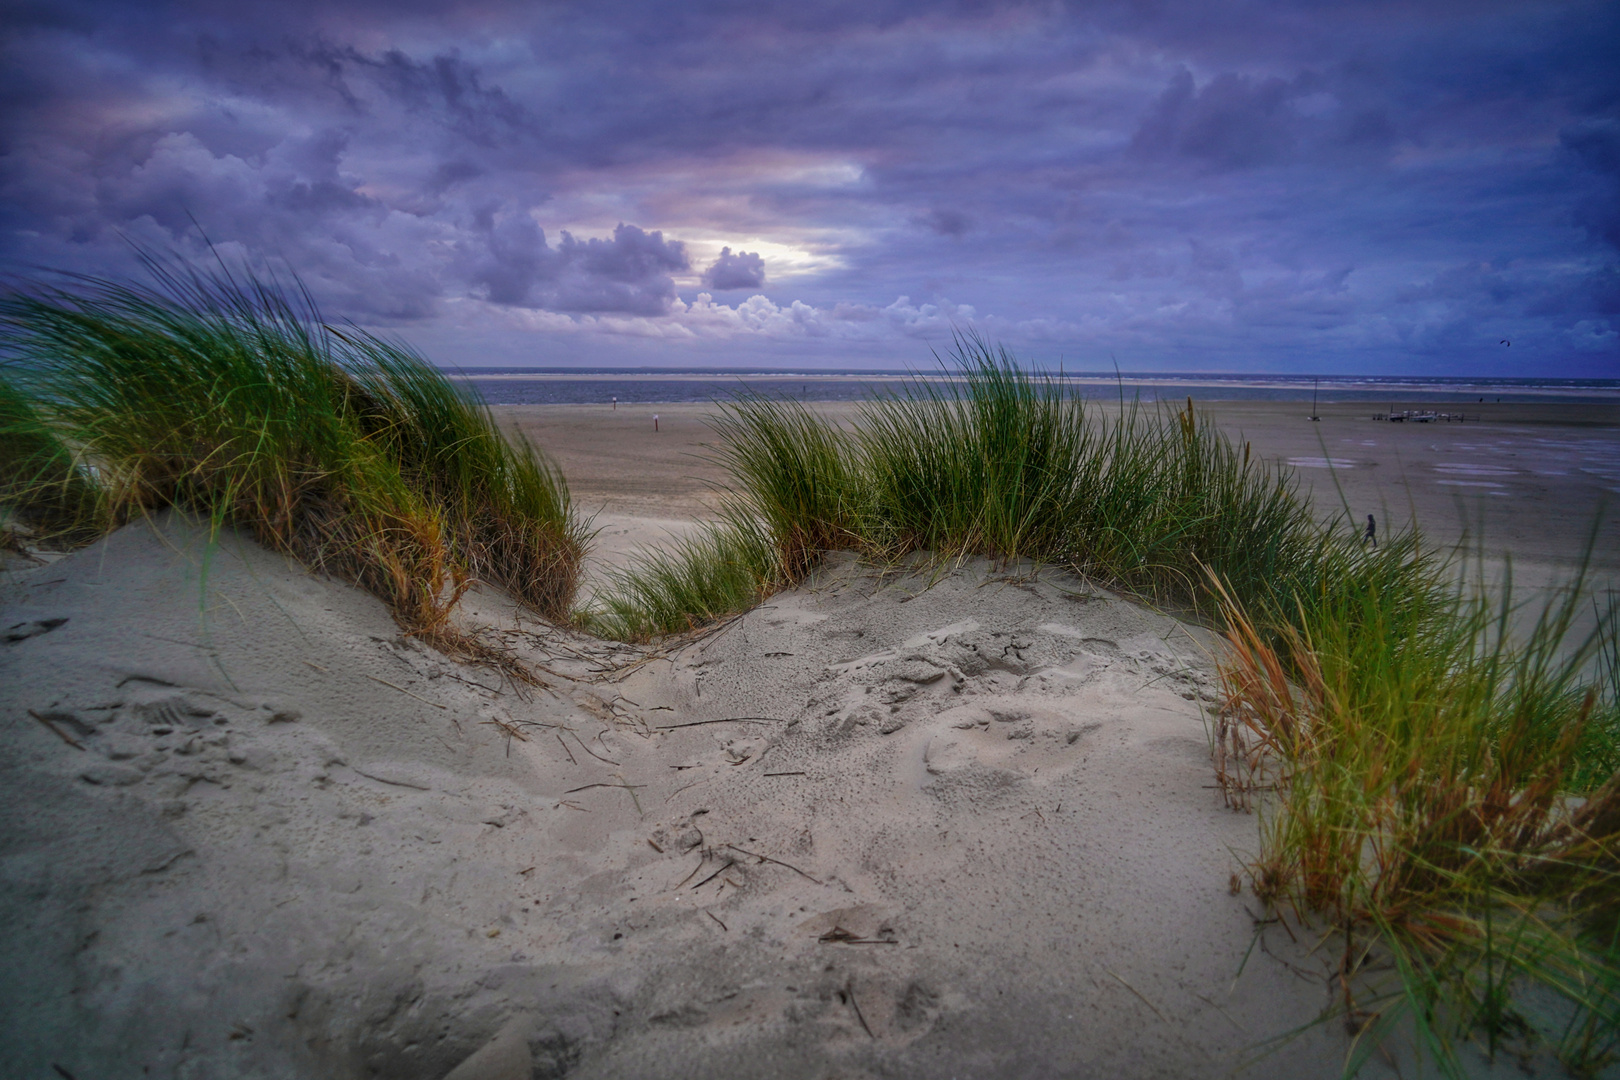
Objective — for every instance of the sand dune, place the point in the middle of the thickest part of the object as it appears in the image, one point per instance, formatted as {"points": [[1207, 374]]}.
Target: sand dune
{"points": [[967, 832], [905, 825]]}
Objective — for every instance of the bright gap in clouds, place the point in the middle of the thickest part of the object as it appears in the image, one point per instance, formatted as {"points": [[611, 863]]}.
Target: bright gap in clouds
{"points": [[784, 261]]}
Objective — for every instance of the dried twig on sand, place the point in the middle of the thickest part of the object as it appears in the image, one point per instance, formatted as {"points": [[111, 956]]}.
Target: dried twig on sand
{"points": [[407, 693], [768, 859], [722, 720], [58, 732], [729, 864]]}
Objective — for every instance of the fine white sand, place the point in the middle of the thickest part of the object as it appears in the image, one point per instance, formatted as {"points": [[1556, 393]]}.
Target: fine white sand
{"points": [[951, 825], [250, 832]]}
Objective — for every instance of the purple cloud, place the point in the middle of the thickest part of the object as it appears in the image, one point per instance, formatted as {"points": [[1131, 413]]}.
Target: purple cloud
{"points": [[947, 222], [1596, 144], [1182, 184], [1233, 121], [744, 270], [627, 273]]}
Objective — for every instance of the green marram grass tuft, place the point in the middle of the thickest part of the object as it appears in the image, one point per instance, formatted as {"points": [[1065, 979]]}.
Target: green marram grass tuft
{"points": [[1445, 787], [727, 567], [232, 400], [42, 486], [998, 462], [987, 464]]}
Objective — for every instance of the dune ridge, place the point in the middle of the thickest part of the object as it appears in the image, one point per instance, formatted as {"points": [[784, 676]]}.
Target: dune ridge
{"points": [[970, 833]]}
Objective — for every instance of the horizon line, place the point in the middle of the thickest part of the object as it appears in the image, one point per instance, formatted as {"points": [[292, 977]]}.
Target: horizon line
{"points": [[496, 371]]}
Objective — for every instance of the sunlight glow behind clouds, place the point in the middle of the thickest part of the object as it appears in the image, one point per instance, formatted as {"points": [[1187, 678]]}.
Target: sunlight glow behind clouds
{"points": [[785, 261]]}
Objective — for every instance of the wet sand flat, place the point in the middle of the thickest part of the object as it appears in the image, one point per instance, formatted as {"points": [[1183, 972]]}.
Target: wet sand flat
{"points": [[1525, 479]]}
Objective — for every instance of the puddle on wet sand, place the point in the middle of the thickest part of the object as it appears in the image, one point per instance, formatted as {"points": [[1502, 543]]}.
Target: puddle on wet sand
{"points": [[1460, 468]]}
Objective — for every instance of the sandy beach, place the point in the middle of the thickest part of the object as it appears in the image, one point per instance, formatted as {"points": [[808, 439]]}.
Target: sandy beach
{"points": [[1526, 479], [958, 823]]}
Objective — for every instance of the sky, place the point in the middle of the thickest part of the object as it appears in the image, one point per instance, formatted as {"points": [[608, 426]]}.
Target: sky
{"points": [[1301, 186]]}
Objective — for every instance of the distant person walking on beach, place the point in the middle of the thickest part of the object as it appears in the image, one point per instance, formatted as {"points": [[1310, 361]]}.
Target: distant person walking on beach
{"points": [[1372, 531]]}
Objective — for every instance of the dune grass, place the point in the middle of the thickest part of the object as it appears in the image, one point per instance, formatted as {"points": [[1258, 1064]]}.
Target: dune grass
{"points": [[504, 503], [985, 466], [1001, 463], [796, 475], [729, 566], [232, 400], [1447, 792], [43, 490]]}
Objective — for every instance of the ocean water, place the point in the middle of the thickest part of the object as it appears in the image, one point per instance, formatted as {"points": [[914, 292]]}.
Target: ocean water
{"points": [[510, 386]]}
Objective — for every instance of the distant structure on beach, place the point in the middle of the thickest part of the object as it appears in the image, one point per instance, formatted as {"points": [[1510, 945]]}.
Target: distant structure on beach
{"points": [[1422, 416]]}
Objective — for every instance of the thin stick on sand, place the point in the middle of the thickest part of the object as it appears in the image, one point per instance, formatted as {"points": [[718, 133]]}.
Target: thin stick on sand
{"points": [[729, 864], [1140, 997], [472, 682], [407, 693], [512, 730], [703, 860], [588, 750], [688, 787], [778, 862], [58, 732], [849, 989], [722, 720], [839, 936]]}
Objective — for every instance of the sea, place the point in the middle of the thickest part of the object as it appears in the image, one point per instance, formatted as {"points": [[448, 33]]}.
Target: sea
{"points": [[563, 386]]}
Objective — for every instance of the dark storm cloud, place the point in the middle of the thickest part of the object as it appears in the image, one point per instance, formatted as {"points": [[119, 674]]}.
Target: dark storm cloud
{"points": [[947, 222], [744, 270], [1232, 121], [628, 273], [443, 87], [1182, 182], [1597, 145]]}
